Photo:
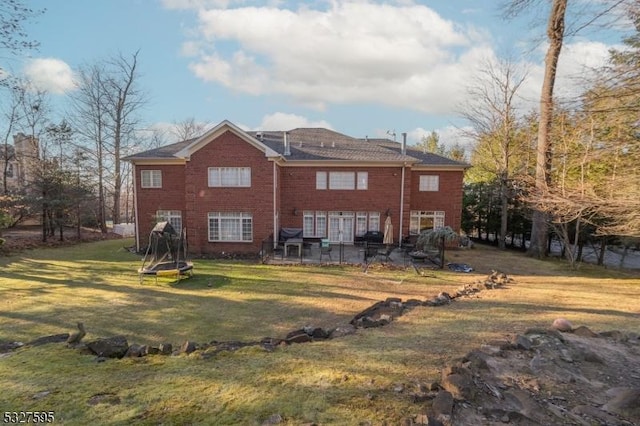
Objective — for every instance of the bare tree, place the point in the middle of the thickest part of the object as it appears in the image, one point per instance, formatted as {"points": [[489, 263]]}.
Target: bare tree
{"points": [[494, 125], [188, 128], [123, 99], [105, 107], [12, 119], [13, 37]]}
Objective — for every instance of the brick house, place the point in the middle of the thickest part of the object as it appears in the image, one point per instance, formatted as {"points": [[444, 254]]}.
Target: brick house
{"points": [[234, 189], [19, 162]]}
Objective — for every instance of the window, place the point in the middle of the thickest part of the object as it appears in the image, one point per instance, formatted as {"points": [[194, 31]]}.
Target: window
{"points": [[151, 178], [308, 221], [363, 180], [314, 224], [374, 221], [321, 180], [423, 221], [321, 224], [361, 223], [174, 217], [230, 227], [230, 177], [429, 183], [342, 180], [9, 170]]}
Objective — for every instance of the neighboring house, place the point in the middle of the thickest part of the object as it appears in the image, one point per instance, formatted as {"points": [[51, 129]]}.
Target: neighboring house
{"points": [[18, 162], [234, 189]]}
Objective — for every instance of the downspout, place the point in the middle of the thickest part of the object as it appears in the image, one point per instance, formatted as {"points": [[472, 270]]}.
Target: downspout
{"points": [[401, 208], [275, 210], [404, 152], [135, 206]]}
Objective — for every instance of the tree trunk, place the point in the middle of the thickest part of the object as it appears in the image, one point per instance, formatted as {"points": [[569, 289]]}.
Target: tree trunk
{"points": [[504, 215], [555, 36], [603, 249]]}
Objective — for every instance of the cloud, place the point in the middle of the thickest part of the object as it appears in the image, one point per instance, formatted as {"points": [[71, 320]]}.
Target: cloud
{"points": [[50, 74], [349, 52], [285, 121], [449, 136]]}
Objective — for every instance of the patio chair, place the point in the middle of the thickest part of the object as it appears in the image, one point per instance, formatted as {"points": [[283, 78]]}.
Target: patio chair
{"points": [[325, 249], [384, 253]]}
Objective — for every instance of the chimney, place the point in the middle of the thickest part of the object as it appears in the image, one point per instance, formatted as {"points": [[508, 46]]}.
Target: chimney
{"points": [[404, 143], [287, 146], [260, 136]]}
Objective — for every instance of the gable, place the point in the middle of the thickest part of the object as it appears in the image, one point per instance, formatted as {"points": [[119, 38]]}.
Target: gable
{"points": [[219, 130]]}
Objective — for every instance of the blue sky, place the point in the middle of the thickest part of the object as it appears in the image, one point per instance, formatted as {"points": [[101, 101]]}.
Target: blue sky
{"points": [[362, 68]]}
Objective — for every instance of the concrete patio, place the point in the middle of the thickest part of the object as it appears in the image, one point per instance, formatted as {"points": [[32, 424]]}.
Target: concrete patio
{"points": [[344, 254]]}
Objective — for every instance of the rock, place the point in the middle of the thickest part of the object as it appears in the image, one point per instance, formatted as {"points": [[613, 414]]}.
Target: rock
{"points": [[584, 332], [561, 324], [615, 335], [523, 342], [442, 405], [9, 346], [457, 380], [624, 402], [55, 338], [300, 337], [41, 394], [317, 332], [188, 347], [135, 351], [151, 350], [165, 348], [342, 330], [110, 347]]}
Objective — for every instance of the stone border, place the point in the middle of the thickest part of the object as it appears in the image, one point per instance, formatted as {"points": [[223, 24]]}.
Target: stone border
{"points": [[377, 315]]}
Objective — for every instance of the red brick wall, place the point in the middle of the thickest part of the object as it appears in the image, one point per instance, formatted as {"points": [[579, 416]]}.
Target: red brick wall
{"points": [[299, 192], [228, 150], [447, 199], [150, 200]]}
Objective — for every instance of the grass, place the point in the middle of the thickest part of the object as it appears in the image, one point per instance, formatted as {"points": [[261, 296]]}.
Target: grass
{"points": [[342, 381]]}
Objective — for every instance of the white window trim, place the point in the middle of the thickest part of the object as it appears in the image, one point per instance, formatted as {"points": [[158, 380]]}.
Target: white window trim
{"points": [[437, 216], [154, 178], [241, 216], [321, 180], [430, 183], [214, 177], [171, 216], [342, 181], [363, 181]]}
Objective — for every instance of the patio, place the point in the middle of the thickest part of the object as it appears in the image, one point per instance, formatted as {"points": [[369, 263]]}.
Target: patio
{"points": [[339, 254]]}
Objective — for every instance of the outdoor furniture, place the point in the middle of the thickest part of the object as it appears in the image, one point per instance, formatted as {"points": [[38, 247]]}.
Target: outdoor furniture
{"points": [[325, 249], [384, 253], [293, 242]]}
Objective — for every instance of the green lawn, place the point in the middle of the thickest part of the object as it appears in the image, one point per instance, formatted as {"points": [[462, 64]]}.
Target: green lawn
{"points": [[342, 381]]}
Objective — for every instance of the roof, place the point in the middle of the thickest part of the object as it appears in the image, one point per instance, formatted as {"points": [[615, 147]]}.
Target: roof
{"points": [[307, 145]]}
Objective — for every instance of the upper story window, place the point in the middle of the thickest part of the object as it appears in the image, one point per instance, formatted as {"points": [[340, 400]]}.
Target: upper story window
{"points": [[9, 170], [151, 178], [363, 180], [342, 180], [429, 183], [230, 177], [321, 180]]}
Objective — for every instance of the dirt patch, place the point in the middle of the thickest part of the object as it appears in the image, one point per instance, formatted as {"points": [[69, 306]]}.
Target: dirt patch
{"points": [[23, 238], [548, 377]]}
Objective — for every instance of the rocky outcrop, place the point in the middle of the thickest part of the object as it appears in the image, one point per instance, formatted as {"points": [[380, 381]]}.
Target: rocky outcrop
{"points": [[546, 377]]}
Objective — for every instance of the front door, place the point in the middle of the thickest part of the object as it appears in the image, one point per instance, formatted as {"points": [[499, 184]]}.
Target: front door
{"points": [[341, 227]]}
